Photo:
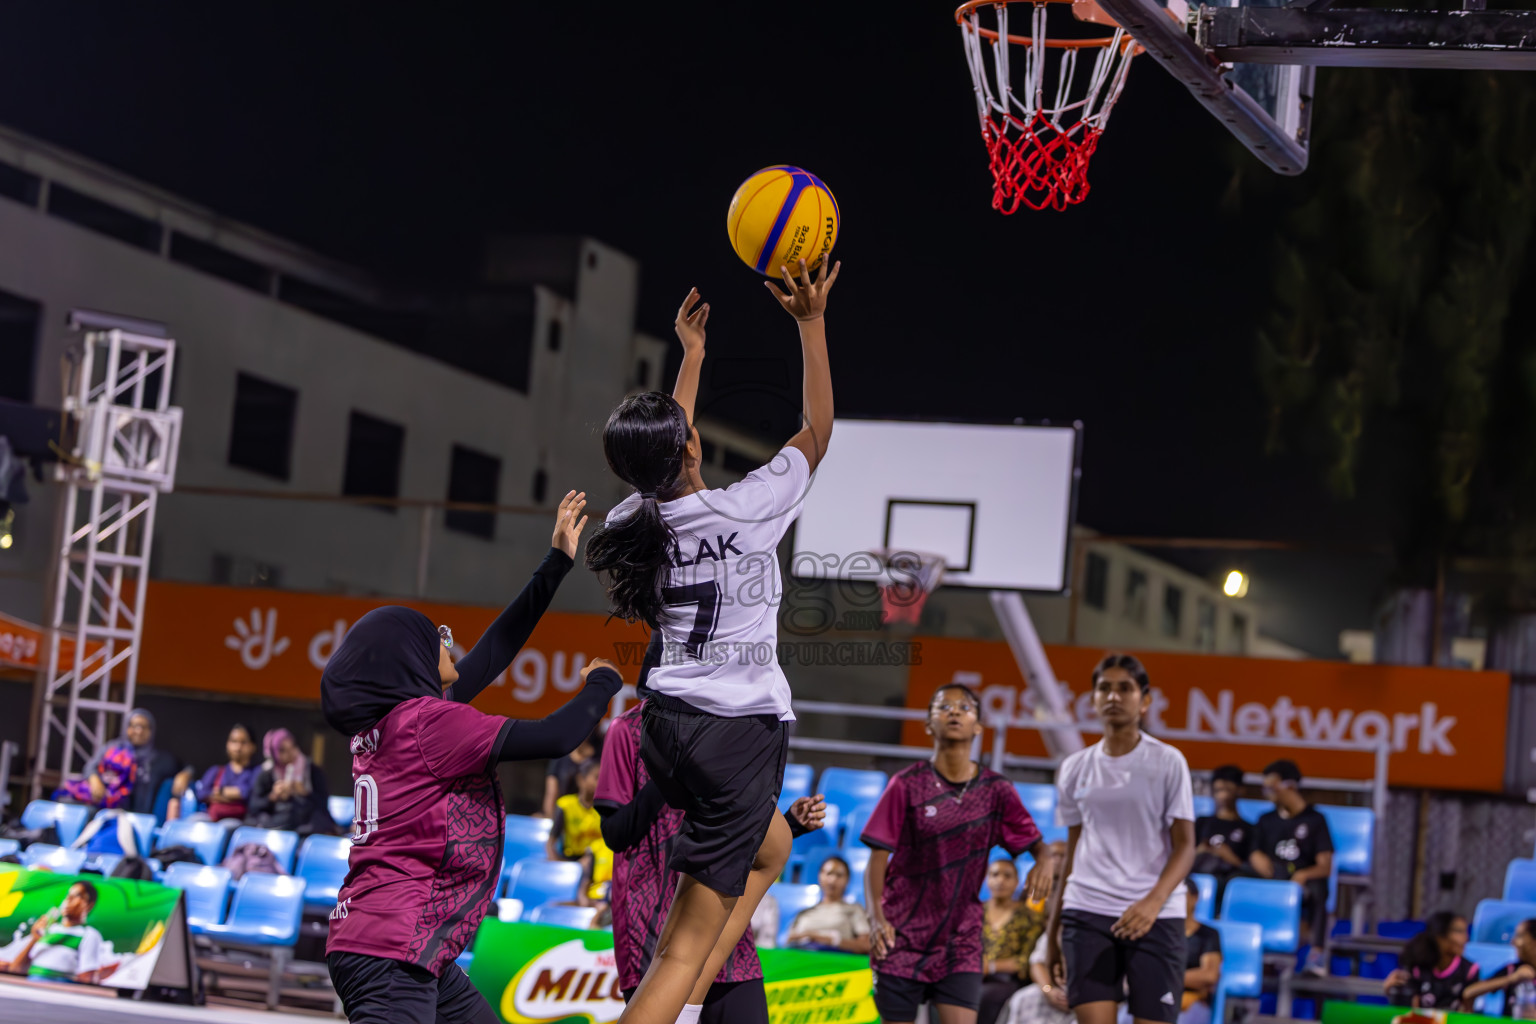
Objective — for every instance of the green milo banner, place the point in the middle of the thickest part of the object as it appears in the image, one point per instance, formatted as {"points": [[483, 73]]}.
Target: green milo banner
{"points": [[91, 930], [541, 974], [1366, 1013]]}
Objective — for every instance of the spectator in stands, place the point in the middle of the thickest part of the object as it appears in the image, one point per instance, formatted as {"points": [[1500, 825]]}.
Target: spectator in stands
{"points": [[577, 834], [108, 782], [1223, 841], [834, 923], [1514, 985], [560, 779], [287, 793], [1009, 930], [1292, 842], [225, 789], [1432, 974], [1202, 963], [153, 767], [1042, 1001]]}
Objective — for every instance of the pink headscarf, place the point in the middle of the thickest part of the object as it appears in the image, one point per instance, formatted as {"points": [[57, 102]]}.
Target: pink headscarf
{"points": [[296, 770]]}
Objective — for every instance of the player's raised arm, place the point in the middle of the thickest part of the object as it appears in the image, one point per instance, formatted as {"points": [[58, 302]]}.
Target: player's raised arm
{"points": [[690, 331], [807, 303]]}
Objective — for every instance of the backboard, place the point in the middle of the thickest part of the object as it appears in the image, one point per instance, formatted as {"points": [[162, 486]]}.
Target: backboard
{"points": [[997, 501]]}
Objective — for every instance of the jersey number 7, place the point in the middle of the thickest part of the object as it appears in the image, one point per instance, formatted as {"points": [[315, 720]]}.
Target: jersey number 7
{"points": [[707, 597]]}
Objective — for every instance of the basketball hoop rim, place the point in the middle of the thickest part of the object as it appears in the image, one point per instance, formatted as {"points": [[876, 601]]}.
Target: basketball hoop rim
{"points": [[1103, 42]]}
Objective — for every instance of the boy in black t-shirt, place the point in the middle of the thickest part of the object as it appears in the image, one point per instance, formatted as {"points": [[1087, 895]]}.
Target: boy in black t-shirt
{"points": [[1292, 842], [1223, 840]]}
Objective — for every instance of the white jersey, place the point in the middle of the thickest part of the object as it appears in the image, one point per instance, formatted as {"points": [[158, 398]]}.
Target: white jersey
{"points": [[719, 628], [1125, 805]]}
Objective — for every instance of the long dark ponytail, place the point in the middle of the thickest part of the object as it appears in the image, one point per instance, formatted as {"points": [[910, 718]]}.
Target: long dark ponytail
{"points": [[644, 443], [1423, 950]]}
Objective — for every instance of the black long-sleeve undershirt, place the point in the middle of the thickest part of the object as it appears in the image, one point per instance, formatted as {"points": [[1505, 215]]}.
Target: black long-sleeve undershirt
{"points": [[495, 650], [561, 732]]}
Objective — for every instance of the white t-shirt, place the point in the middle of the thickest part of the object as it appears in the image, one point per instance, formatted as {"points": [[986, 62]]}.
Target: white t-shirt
{"points": [[1125, 806], [720, 627], [67, 950]]}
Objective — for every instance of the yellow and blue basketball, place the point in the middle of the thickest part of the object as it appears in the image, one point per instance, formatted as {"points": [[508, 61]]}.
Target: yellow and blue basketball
{"points": [[779, 216]]}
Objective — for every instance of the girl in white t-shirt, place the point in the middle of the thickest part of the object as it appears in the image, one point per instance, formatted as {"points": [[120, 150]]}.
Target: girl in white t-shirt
{"points": [[698, 567], [1118, 920]]}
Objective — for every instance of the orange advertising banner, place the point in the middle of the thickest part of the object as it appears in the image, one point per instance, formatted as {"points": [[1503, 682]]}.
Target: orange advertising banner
{"points": [[1446, 727], [250, 641], [23, 645]]}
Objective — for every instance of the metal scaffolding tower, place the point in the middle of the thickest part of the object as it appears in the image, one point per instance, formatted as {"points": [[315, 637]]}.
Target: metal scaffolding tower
{"points": [[121, 435]]}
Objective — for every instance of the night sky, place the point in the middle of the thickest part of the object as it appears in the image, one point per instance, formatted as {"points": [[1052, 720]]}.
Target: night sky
{"points": [[398, 136]]}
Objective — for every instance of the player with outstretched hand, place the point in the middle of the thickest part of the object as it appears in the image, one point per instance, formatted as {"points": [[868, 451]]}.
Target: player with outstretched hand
{"points": [[426, 852], [698, 565], [930, 835]]}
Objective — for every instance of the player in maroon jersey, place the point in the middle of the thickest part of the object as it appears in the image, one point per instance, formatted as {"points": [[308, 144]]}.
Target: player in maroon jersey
{"points": [[931, 834]]}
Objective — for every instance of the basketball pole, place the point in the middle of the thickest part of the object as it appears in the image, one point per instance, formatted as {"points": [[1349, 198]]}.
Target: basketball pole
{"points": [[1039, 678]]}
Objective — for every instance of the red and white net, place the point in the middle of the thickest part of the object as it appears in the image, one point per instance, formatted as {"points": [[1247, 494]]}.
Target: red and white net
{"points": [[910, 577], [1039, 140]]}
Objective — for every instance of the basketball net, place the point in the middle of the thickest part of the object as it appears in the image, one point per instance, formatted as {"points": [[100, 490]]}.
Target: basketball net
{"points": [[1039, 143], [910, 577]]}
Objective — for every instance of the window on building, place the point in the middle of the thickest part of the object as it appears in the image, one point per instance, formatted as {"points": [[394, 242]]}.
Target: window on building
{"points": [[374, 450], [104, 218], [1240, 634], [19, 185], [242, 571], [221, 263], [1136, 596], [540, 486], [473, 477], [19, 319], [1096, 581], [1205, 624], [261, 434], [1173, 610], [552, 339]]}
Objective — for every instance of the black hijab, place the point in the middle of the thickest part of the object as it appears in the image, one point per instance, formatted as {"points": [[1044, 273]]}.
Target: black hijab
{"points": [[387, 658]]}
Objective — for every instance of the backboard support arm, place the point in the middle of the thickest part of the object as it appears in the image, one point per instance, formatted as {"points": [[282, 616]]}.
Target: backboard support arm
{"points": [[1367, 38]]}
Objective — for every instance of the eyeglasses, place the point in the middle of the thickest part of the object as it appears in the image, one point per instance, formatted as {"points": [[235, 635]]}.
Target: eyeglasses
{"points": [[961, 707], [446, 636]]}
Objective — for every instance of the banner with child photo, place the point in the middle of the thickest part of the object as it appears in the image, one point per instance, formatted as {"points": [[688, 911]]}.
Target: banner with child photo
{"points": [[90, 930]]}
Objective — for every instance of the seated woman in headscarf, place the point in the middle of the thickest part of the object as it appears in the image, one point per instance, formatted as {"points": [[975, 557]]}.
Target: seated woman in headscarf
{"points": [[284, 795], [153, 767]]}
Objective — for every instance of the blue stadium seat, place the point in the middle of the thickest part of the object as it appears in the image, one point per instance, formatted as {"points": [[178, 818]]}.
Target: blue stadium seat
{"points": [[1353, 830], [563, 915], [509, 910], [266, 911], [1205, 807], [1039, 799], [1205, 909], [143, 830], [852, 825], [1242, 965], [9, 847], [1252, 810], [284, 845], [67, 819], [204, 889], [323, 866], [1274, 906], [813, 847], [792, 899], [1520, 880], [1495, 920], [59, 860], [1489, 957], [847, 788], [858, 863], [536, 881], [525, 837], [205, 838], [797, 783], [342, 809], [189, 804], [101, 863]]}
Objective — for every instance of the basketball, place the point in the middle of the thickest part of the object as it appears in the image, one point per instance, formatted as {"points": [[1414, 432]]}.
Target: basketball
{"points": [[780, 215]]}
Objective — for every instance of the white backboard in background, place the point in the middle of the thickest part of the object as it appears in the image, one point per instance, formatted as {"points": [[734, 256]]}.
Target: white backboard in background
{"points": [[995, 500]]}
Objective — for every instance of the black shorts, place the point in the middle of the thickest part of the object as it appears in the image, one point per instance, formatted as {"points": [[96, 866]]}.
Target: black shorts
{"points": [[724, 774], [897, 999], [730, 1002], [1101, 968], [374, 990]]}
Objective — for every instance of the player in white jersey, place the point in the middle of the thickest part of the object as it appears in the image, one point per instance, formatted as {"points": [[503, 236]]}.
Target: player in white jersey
{"points": [[698, 566]]}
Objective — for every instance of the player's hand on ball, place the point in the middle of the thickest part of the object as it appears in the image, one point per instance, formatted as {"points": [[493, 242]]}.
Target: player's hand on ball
{"points": [[807, 299], [569, 522], [690, 326], [1136, 921], [810, 812]]}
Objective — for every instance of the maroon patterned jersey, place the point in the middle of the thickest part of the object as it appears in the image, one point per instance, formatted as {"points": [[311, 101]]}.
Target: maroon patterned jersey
{"points": [[423, 869], [940, 835], [642, 883]]}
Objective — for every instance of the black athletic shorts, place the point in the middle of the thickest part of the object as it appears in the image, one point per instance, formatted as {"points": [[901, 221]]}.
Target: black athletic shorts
{"points": [[897, 999], [1102, 968], [374, 990], [724, 774], [730, 1002]]}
